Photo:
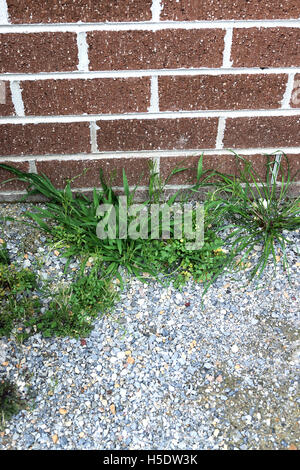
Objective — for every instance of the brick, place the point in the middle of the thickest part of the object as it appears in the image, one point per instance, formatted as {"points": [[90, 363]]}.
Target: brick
{"points": [[221, 163], [6, 104], [260, 165], [41, 139], [95, 96], [221, 92], [190, 10], [294, 163], [266, 47], [171, 48], [14, 185], [157, 134], [68, 11], [38, 52], [59, 171], [295, 97], [254, 132]]}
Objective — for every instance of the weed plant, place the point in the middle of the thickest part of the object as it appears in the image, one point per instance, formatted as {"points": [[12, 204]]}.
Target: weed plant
{"points": [[10, 401], [70, 311], [254, 210], [72, 221], [73, 308], [259, 211]]}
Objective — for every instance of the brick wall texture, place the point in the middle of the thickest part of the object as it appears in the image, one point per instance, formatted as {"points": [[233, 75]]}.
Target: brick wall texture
{"points": [[113, 84]]}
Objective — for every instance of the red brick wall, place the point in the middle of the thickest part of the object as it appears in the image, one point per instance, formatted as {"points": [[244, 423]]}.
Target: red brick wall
{"points": [[112, 84]]}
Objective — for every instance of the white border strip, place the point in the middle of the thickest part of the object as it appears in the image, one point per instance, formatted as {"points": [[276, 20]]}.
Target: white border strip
{"points": [[162, 115], [148, 26], [149, 154], [147, 73], [4, 17]]}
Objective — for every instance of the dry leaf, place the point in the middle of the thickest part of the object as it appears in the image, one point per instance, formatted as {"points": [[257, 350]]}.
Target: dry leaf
{"points": [[130, 360], [55, 438], [63, 411], [113, 409]]}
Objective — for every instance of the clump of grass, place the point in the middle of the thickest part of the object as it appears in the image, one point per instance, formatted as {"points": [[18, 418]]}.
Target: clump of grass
{"points": [[72, 220], [69, 313], [17, 303], [10, 401], [182, 264], [4, 255], [73, 308], [256, 211], [259, 211]]}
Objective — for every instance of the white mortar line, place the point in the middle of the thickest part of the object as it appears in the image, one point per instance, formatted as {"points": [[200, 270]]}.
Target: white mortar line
{"points": [[93, 137], [156, 10], [161, 154], [162, 115], [131, 187], [16, 94], [156, 163], [4, 194], [227, 63], [285, 103], [220, 134], [154, 100], [148, 26], [32, 166], [83, 57], [4, 17], [146, 73]]}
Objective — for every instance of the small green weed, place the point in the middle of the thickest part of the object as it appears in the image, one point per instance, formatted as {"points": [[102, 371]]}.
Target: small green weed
{"points": [[4, 256], [69, 313], [72, 309], [16, 300], [10, 401]]}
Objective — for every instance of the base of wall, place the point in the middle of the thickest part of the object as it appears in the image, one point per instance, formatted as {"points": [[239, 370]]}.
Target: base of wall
{"points": [[140, 195]]}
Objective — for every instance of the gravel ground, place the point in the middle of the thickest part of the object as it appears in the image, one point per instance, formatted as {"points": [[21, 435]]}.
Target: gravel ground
{"points": [[161, 371]]}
